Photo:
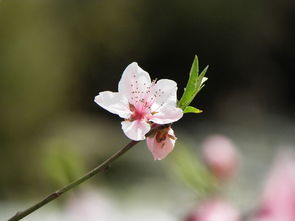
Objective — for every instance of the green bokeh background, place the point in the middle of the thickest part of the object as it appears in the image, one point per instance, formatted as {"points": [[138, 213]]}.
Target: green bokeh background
{"points": [[55, 56]]}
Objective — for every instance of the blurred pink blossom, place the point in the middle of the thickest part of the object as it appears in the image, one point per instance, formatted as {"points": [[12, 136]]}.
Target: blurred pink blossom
{"points": [[214, 210], [220, 155], [90, 206], [278, 200]]}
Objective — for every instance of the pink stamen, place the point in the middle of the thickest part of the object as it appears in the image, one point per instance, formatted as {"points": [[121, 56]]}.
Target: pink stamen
{"points": [[143, 102]]}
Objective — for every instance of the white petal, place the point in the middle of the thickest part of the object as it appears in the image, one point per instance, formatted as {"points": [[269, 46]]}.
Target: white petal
{"points": [[165, 92], [135, 130], [203, 80], [134, 82], [114, 103], [167, 114]]}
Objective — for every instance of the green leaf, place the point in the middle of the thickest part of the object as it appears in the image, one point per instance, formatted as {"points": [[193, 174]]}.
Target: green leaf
{"points": [[188, 168], [201, 80], [190, 109], [61, 163], [190, 87], [194, 84]]}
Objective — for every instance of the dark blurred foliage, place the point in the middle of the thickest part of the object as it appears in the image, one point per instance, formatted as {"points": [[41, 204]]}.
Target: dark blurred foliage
{"points": [[55, 56]]}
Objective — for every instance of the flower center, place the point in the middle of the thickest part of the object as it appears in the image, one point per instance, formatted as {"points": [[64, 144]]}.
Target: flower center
{"points": [[138, 112], [142, 99]]}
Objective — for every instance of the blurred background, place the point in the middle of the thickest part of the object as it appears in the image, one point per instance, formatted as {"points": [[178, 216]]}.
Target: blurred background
{"points": [[56, 56]]}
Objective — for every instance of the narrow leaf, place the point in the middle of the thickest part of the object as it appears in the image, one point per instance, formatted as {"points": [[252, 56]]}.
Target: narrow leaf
{"points": [[191, 85], [188, 168], [201, 80], [194, 84], [190, 109]]}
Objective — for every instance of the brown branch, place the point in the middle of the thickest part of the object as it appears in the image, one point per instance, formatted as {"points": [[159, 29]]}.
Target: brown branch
{"points": [[103, 166]]}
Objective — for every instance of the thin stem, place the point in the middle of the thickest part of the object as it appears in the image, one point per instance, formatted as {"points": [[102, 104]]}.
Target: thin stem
{"points": [[103, 166]]}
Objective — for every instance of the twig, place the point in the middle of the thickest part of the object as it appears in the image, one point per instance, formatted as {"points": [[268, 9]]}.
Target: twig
{"points": [[21, 214]]}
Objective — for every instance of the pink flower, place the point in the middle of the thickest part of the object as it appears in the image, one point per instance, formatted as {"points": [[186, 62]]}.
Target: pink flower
{"points": [[140, 101], [220, 155], [91, 205], [214, 210], [161, 143], [278, 201]]}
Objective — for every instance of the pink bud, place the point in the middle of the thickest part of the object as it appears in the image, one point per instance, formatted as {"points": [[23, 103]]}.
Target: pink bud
{"points": [[220, 155], [214, 210]]}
